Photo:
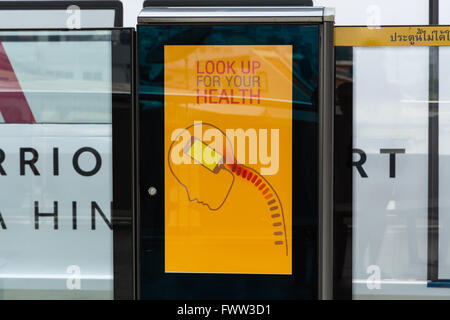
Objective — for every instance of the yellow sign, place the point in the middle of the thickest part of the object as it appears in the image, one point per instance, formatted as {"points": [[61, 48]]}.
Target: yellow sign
{"points": [[228, 170], [392, 36]]}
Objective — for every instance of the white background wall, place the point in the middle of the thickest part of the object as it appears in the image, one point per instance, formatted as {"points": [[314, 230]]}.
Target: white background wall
{"points": [[348, 12], [131, 9], [378, 12]]}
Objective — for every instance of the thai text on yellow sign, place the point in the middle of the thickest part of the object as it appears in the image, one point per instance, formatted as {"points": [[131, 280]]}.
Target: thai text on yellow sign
{"points": [[392, 36]]}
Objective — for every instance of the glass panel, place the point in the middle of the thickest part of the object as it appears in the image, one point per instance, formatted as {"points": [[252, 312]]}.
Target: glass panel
{"points": [[56, 102], [444, 153], [61, 83], [390, 130], [394, 221], [219, 98]]}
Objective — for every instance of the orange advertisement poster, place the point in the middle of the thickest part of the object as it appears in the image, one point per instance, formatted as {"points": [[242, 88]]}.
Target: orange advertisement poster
{"points": [[228, 166]]}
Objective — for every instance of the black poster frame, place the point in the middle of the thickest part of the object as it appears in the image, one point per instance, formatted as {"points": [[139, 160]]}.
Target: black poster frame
{"points": [[154, 202]]}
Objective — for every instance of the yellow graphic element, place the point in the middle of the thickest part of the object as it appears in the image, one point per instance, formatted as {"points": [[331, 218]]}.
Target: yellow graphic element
{"points": [[221, 215], [197, 151], [392, 36]]}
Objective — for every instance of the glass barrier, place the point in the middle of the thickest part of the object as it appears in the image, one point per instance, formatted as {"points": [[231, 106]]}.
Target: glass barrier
{"points": [[391, 149], [58, 93]]}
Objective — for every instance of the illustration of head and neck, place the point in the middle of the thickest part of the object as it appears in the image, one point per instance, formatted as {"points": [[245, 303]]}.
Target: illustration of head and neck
{"points": [[202, 160]]}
